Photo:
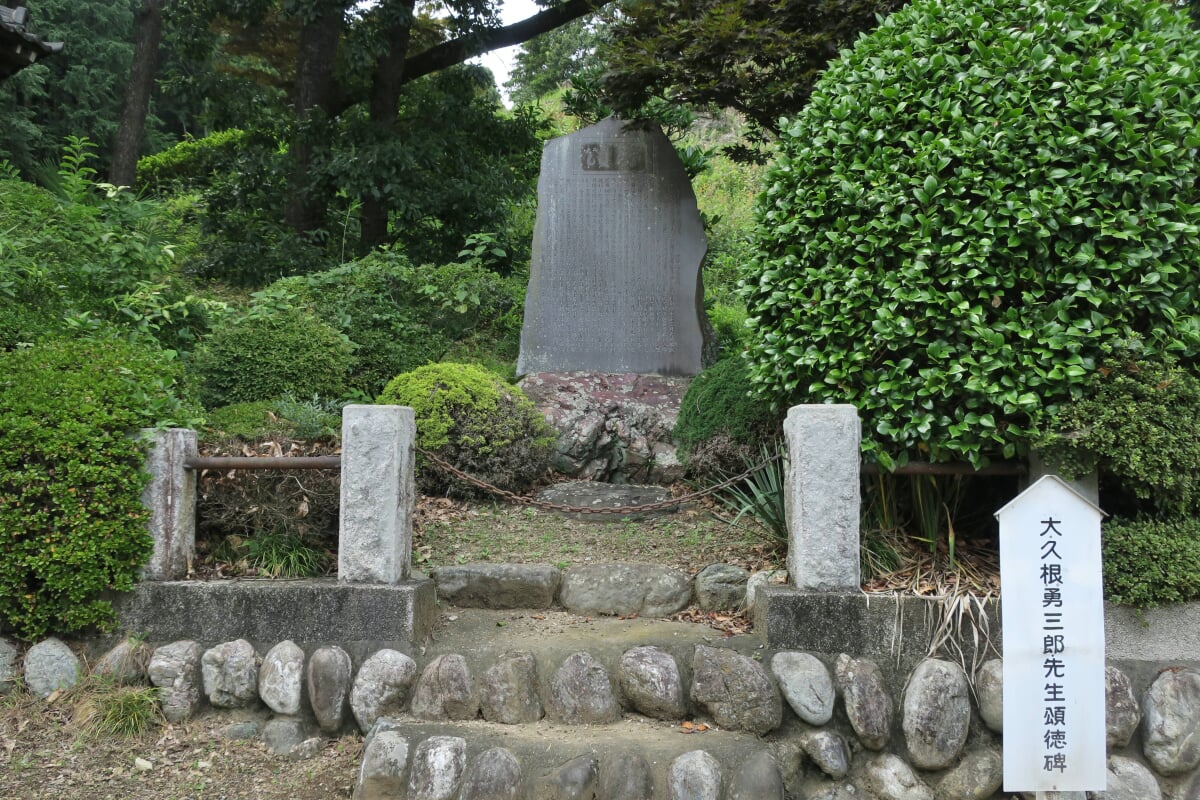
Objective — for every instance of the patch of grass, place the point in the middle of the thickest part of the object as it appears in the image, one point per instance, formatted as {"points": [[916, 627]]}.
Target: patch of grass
{"points": [[449, 532], [105, 709]]}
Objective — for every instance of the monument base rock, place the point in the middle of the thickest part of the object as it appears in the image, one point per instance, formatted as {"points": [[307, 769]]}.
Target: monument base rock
{"points": [[614, 428]]}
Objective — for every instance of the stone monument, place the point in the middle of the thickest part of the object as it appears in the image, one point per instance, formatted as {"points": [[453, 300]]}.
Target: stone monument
{"points": [[615, 281], [614, 320]]}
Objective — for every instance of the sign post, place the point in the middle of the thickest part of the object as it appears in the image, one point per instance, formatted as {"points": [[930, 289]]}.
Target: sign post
{"points": [[1052, 612]]}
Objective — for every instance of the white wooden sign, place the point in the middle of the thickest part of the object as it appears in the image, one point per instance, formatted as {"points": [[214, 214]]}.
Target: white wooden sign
{"points": [[1052, 612]]}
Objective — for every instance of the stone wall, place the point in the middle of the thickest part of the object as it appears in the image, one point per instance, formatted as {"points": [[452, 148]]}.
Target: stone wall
{"points": [[794, 723]]}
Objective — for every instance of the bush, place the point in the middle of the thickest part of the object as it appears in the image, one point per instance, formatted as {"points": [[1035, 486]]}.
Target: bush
{"points": [[72, 524], [1149, 563], [976, 199], [1139, 427], [261, 357], [402, 317], [190, 164], [729, 325], [472, 419], [282, 418], [721, 426]]}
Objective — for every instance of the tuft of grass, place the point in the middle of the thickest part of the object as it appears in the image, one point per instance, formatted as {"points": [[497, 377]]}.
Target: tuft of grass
{"points": [[105, 709], [283, 555]]}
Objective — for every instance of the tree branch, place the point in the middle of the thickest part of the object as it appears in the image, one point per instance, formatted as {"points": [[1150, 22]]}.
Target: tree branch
{"points": [[456, 51]]}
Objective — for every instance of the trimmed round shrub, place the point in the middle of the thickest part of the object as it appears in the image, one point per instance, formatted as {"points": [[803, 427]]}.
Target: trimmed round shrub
{"points": [[72, 525], [260, 357], [1139, 427], [977, 197], [1151, 562], [473, 420], [721, 425]]}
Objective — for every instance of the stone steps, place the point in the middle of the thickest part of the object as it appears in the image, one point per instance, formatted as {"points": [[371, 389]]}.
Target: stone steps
{"points": [[635, 757]]}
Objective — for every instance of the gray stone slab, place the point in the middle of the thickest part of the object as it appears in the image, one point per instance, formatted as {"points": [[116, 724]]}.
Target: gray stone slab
{"points": [[822, 496], [378, 493], [359, 617], [894, 630], [615, 279], [499, 585], [616, 496]]}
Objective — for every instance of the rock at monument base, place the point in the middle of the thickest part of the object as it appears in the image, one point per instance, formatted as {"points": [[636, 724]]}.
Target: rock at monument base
{"points": [[806, 685], [721, 587], [498, 585], [650, 682], [446, 690], [936, 713], [437, 768], [695, 775], [1171, 722], [495, 774], [384, 771], [126, 663], [867, 702], [626, 776], [230, 673], [615, 428], [977, 777]]}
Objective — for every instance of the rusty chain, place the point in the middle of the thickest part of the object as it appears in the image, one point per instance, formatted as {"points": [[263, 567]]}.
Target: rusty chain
{"points": [[623, 510]]}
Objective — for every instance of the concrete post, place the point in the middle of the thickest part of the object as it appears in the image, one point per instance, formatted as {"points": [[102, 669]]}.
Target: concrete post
{"points": [[171, 499], [823, 496], [378, 494]]}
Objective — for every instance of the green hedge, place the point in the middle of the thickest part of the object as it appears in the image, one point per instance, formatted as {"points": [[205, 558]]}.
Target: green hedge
{"points": [[261, 357], [1139, 427], [72, 525], [1153, 562], [978, 197]]}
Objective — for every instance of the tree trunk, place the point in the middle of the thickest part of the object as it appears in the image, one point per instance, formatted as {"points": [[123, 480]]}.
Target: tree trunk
{"points": [[387, 81], [306, 209], [127, 145]]}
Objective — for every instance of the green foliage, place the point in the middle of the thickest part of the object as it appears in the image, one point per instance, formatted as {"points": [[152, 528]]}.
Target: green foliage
{"points": [[974, 201], [472, 419], [761, 495], [401, 317], [72, 524], [1139, 426], [721, 426], [76, 92], [547, 62], [88, 252], [729, 324], [261, 357], [1149, 563], [281, 418], [758, 56], [191, 163]]}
